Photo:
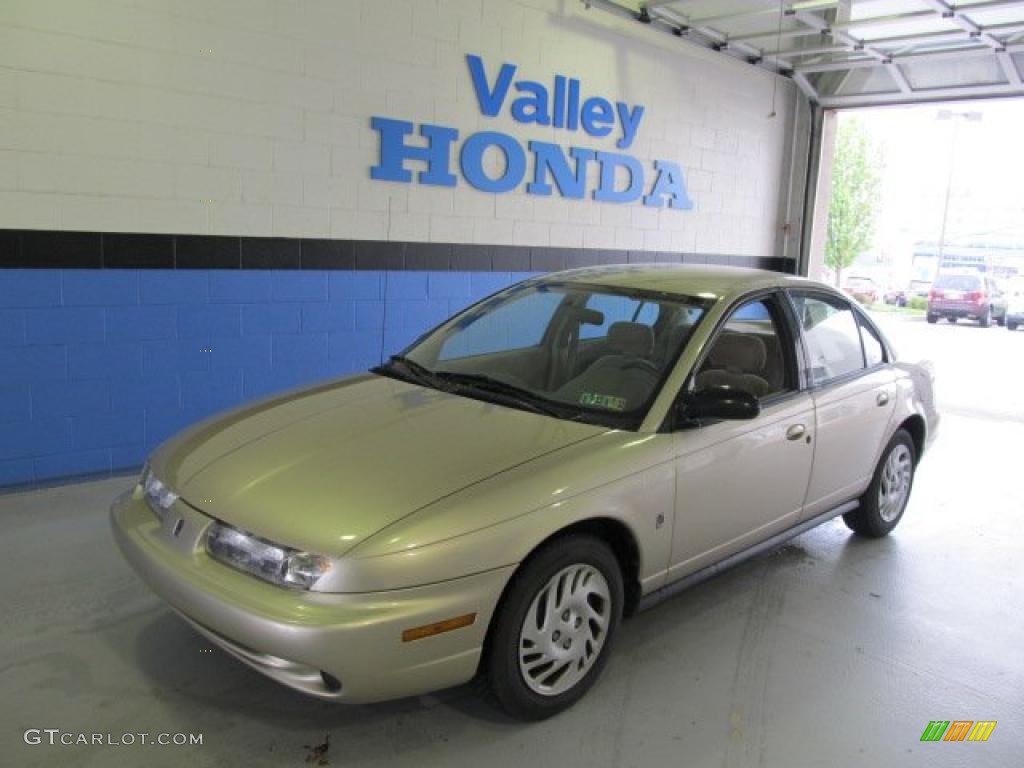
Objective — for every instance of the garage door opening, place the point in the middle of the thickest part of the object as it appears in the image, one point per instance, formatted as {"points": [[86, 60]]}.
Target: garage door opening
{"points": [[918, 217]]}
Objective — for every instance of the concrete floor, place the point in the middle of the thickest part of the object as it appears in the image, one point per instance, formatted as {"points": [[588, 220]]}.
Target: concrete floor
{"points": [[831, 650]]}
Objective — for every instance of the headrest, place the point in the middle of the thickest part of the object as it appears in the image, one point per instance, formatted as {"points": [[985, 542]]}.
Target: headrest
{"points": [[633, 339], [738, 352]]}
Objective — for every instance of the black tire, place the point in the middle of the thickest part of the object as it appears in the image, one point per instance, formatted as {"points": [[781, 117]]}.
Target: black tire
{"points": [[931, 318], [952, 320], [869, 519], [1001, 321], [986, 320], [501, 664], [1011, 324]]}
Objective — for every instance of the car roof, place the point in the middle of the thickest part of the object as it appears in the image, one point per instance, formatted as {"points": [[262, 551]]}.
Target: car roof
{"points": [[682, 279]]}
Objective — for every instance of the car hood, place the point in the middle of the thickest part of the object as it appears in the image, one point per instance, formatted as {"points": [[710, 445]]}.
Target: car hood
{"points": [[323, 468]]}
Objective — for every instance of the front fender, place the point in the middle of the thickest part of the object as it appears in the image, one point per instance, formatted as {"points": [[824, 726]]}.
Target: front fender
{"points": [[500, 521]]}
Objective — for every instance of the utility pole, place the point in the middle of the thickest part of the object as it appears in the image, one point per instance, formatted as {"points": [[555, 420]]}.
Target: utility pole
{"points": [[956, 117]]}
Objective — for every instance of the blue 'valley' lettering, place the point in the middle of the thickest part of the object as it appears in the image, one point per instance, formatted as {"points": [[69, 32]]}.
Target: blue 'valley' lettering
{"points": [[621, 177], [564, 111]]}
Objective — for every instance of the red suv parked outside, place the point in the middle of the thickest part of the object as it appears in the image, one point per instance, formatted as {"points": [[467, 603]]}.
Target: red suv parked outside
{"points": [[971, 295]]}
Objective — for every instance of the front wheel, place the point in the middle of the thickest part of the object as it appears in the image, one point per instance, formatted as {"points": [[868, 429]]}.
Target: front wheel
{"points": [[1011, 324], [985, 320], [881, 507], [931, 318], [554, 627]]}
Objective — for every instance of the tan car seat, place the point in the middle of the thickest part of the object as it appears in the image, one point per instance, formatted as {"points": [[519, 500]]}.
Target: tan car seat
{"points": [[735, 361]]}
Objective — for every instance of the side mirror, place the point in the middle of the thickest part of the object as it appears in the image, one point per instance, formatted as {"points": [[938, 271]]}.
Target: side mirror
{"points": [[718, 403]]}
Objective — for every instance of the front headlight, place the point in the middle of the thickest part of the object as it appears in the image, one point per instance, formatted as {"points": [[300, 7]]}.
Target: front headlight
{"points": [[264, 559], [158, 496]]}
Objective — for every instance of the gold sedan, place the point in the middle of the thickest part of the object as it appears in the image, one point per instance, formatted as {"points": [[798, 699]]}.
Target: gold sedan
{"points": [[496, 498]]}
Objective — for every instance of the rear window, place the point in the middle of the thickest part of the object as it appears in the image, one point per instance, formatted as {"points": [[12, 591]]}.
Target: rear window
{"points": [[958, 282]]}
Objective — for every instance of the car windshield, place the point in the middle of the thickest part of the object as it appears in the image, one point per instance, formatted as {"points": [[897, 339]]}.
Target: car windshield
{"points": [[575, 351], [958, 282]]}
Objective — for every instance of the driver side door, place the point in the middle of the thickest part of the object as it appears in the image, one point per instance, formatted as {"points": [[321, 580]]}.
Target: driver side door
{"points": [[739, 482]]}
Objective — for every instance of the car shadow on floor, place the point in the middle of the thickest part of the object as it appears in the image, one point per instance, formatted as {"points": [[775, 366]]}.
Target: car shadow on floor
{"points": [[183, 665], [202, 682]]}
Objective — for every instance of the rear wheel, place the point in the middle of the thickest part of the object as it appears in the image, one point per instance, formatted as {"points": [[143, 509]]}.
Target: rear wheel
{"points": [[555, 627], [931, 318], [986, 319], [952, 320], [1001, 321], [881, 507], [1011, 324]]}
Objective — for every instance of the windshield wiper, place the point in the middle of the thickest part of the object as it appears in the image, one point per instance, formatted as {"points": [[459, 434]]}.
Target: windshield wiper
{"points": [[450, 381], [510, 392], [410, 369]]}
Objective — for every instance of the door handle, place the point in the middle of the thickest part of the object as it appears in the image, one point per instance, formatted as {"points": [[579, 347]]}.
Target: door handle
{"points": [[882, 399], [795, 432]]}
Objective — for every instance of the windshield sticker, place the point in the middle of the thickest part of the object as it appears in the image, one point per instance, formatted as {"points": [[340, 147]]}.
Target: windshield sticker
{"points": [[610, 402]]}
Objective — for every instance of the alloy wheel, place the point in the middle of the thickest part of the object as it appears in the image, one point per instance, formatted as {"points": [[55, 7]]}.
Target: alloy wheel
{"points": [[895, 483]]}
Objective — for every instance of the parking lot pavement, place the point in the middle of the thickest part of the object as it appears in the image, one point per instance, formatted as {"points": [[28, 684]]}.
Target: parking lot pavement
{"points": [[979, 371]]}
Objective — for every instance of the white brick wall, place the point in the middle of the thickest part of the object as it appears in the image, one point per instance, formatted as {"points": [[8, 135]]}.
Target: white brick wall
{"points": [[252, 117]]}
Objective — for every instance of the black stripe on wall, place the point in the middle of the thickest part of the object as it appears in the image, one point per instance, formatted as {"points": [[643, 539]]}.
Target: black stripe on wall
{"points": [[49, 249]]}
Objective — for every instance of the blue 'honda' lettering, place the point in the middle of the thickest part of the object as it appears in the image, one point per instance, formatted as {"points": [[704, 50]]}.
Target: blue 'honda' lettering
{"points": [[562, 108]]}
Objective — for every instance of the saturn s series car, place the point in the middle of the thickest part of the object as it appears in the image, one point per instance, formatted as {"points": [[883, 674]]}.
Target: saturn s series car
{"points": [[496, 498]]}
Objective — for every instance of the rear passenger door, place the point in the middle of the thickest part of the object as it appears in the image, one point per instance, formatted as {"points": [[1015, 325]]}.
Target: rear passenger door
{"points": [[854, 392]]}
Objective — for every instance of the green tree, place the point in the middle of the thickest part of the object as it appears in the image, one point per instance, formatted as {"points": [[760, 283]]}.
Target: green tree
{"points": [[854, 207]]}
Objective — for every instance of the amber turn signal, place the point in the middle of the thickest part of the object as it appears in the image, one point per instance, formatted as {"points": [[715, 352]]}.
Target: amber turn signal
{"points": [[418, 633]]}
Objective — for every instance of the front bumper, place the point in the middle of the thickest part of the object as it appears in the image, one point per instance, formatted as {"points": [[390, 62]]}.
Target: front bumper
{"points": [[293, 636]]}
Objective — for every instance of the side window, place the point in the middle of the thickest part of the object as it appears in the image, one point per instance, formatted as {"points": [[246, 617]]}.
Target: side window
{"points": [[833, 336], [617, 309], [515, 325], [748, 353], [874, 350]]}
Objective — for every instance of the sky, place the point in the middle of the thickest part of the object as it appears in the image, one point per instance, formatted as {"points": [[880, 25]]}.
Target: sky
{"points": [[919, 150]]}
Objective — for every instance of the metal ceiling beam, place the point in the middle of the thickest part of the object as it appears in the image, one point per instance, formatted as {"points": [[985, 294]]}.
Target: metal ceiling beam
{"points": [[719, 40], [890, 19], [899, 78], [928, 94], [765, 11], [800, 31], [912, 16], [652, 4], [952, 35], [704, 38], [810, 51], [976, 51], [968, 38], [805, 85], [852, 44], [991, 5], [1010, 71]]}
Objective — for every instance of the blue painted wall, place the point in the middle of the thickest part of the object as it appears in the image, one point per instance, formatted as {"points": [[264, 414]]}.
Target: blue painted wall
{"points": [[99, 366]]}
